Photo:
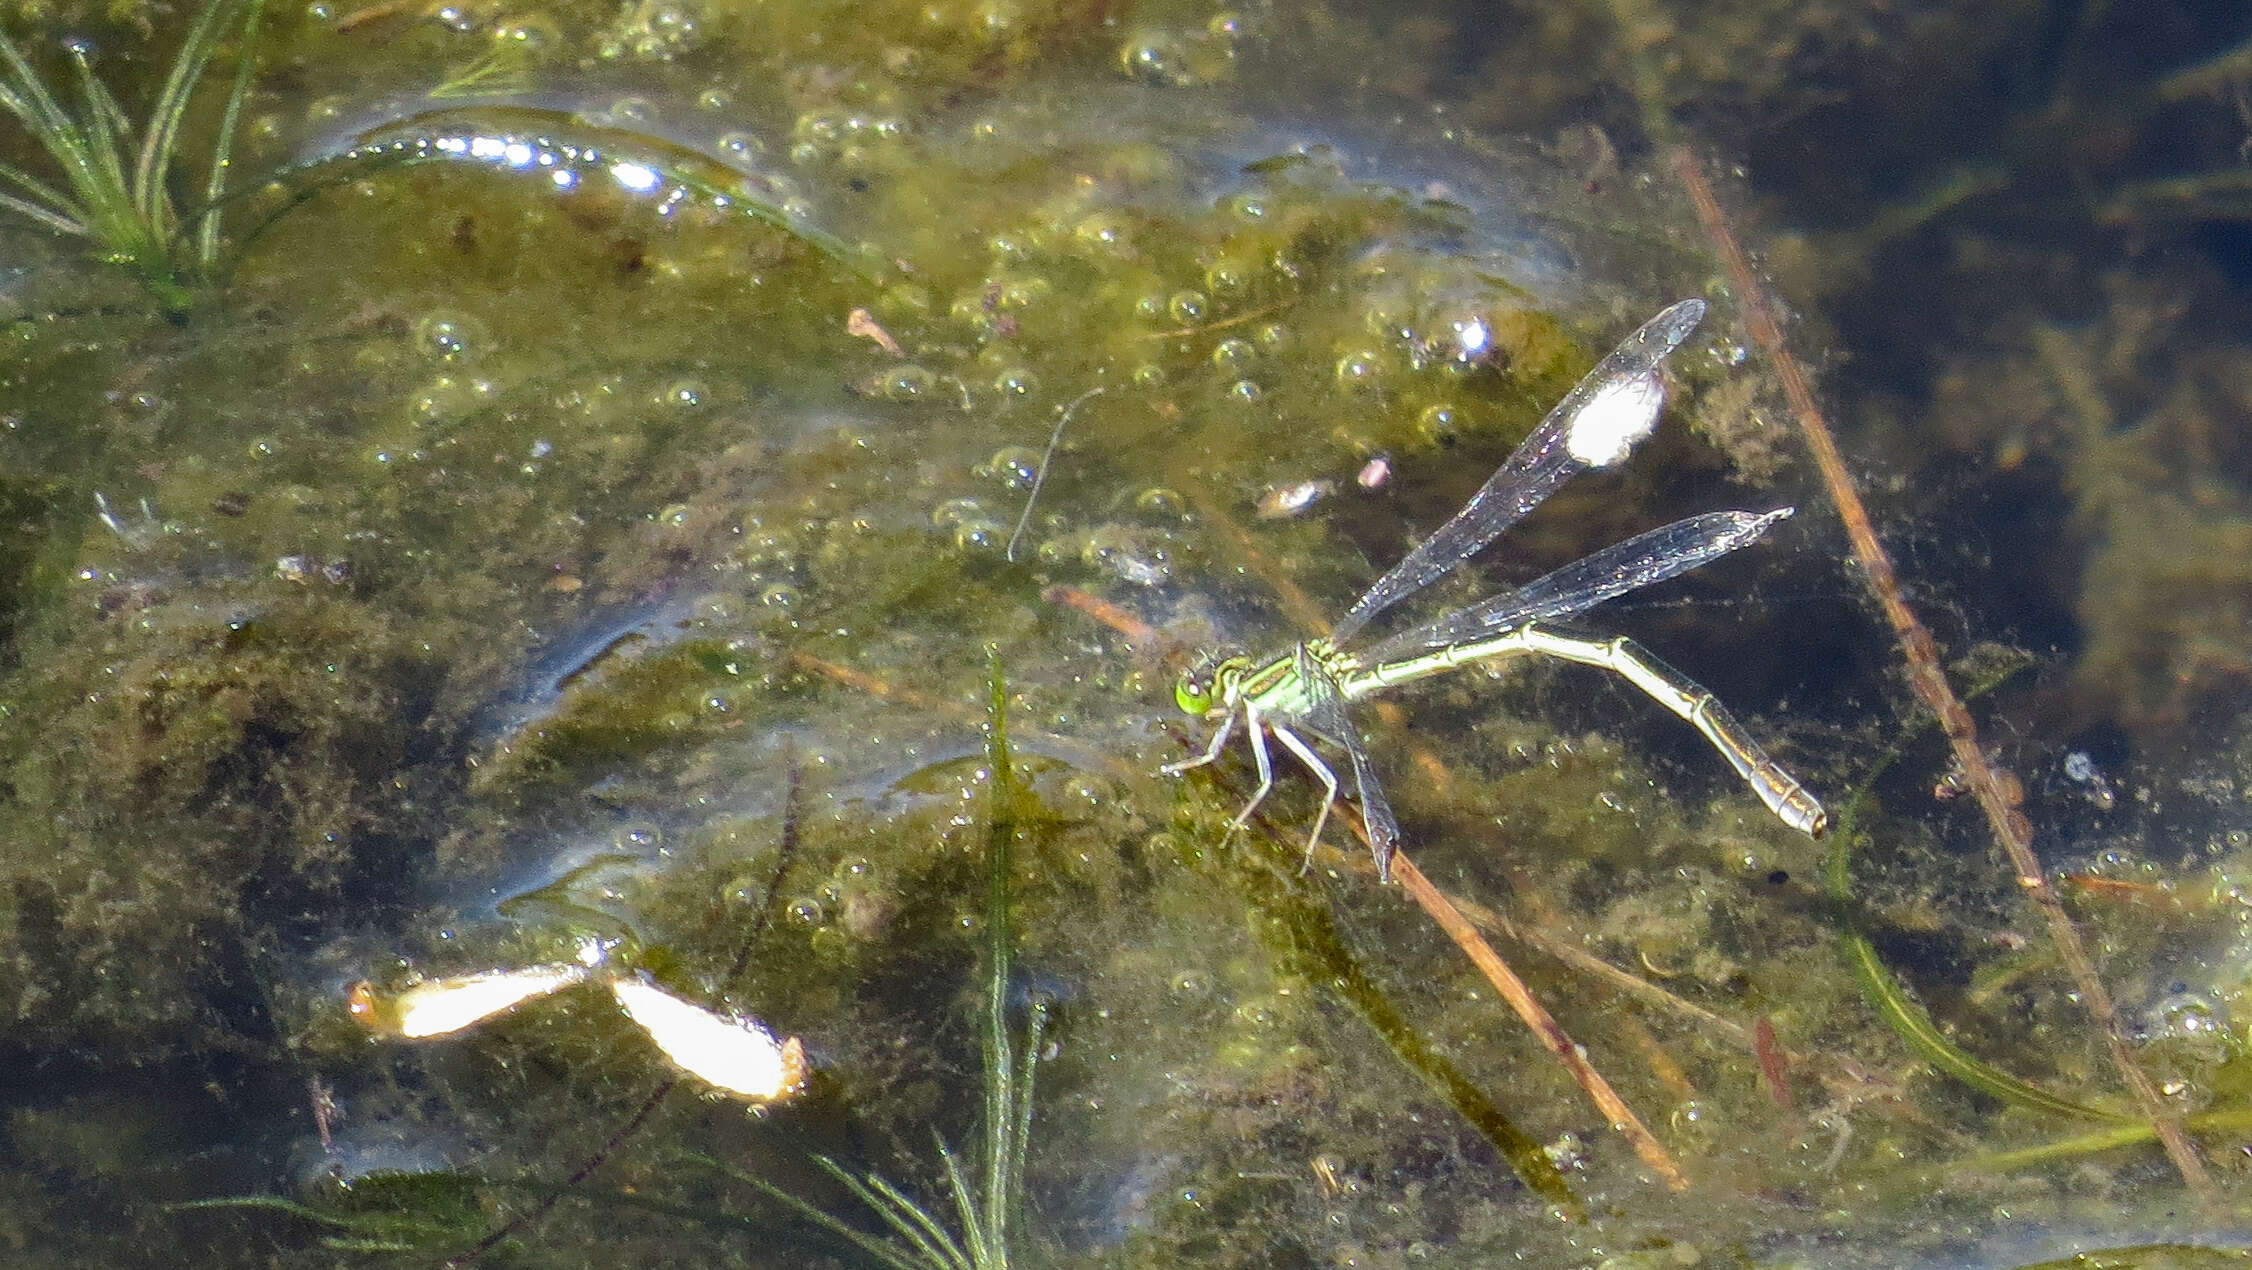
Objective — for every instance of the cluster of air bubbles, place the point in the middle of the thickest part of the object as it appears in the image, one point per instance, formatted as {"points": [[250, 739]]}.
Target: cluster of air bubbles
{"points": [[651, 31], [904, 384], [975, 528], [459, 17], [630, 113], [527, 31], [449, 399], [1176, 57], [1014, 466], [846, 136]]}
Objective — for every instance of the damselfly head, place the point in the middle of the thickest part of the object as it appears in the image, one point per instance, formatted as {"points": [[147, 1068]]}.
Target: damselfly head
{"points": [[1205, 684]]}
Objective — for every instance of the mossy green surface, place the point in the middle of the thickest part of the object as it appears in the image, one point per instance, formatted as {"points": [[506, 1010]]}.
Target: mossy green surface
{"points": [[613, 415]]}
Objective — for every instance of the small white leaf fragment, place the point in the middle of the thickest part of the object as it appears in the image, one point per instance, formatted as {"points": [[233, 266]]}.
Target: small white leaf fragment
{"points": [[440, 1007], [729, 1052]]}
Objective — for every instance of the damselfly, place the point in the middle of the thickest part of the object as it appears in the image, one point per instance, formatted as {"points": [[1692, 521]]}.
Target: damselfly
{"points": [[1305, 691]]}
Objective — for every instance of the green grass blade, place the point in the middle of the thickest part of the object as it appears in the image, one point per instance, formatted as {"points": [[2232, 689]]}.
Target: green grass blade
{"points": [[116, 218], [1890, 1000], [1020, 1132], [915, 1223], [698, 173], [974, 1231], [44, 202], [1302, 934], [64, 138], [32, 102], [207, 228], [163, 136], [2233, 1121], [884, 1252], [1001, 1094], [52, 220]]}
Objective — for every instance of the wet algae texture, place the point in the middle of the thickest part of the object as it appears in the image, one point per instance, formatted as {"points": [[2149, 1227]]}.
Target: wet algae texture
{"points": [[582, 507]]}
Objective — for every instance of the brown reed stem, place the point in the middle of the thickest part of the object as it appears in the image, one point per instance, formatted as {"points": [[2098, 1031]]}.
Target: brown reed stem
{"points": [[1997, 791], [1537, 1019]]}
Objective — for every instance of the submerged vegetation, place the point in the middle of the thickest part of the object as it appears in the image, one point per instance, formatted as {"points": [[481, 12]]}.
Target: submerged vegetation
{"points": [[115, 193], [614, 416]]}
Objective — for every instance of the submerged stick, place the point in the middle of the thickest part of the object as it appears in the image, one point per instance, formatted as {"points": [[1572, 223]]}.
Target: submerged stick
{"points": [[1998, 793], [1537, 1020]]}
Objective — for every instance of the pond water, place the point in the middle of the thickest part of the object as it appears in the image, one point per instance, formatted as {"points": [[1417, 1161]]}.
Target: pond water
{"points": [[712, 499]]}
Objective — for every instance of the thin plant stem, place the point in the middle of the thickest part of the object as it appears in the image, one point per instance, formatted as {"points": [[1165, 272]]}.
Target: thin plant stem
{"points": [[1040, 477], [207, 233], [1996, 790], [1538, 1020]]}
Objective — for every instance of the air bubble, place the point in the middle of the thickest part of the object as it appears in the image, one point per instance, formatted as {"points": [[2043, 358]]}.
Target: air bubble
{"points": [[1014, 466], [1155, 57], [526, 30], [1361, 371], [1440, 424], [1187, 308], [630, 112], [980, 536], [1227, 277], [1102, 230], [957, 511], [906, 383], [684, 394], [1157, 500], [1245, 207], [740, 146], [448, 337], [1234, 356]]}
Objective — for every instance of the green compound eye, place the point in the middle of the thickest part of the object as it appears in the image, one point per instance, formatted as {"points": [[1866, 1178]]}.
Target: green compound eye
{"points": [[1193, 694]]}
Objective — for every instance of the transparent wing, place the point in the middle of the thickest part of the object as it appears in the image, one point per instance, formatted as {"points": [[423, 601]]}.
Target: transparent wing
{"points": [[1327, 718], [1593, 426], [1665, 552]]}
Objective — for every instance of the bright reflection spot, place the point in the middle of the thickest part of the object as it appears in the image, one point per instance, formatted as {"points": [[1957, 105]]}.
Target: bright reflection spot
{"points": [[634, 177]]}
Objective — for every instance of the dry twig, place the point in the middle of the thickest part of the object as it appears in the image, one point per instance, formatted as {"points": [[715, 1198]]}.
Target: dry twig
{"points": [[1997, 791]]}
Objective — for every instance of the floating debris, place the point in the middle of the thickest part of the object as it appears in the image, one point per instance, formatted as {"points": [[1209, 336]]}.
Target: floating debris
{"points": [[441, 1007], [1285, 501], [730, 1052]]}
